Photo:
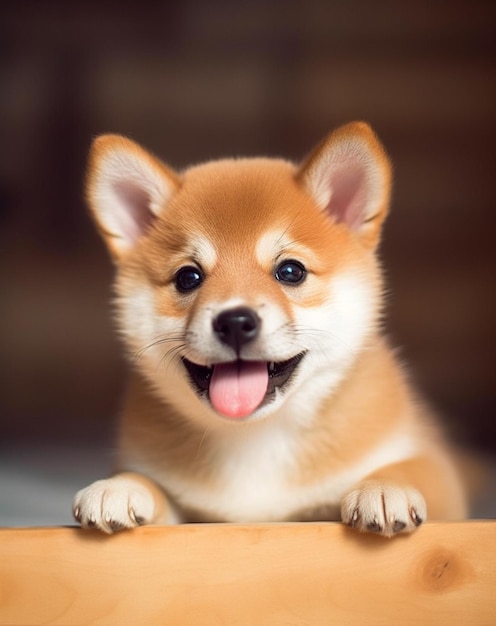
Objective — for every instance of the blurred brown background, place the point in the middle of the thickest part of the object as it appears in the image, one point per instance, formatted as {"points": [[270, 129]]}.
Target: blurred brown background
{"points": [[194, 80]]}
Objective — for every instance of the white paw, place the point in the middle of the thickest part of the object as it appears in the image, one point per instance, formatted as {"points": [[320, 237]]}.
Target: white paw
{"points": [[113, 504], [383, 508]]}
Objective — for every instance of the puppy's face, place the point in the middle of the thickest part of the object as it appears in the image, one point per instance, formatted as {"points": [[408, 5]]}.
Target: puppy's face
{"points": [[243, 284]]}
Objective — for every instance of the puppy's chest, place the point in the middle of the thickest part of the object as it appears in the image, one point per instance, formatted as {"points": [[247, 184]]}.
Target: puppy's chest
{"points": [[256, 480], [259, 479]]}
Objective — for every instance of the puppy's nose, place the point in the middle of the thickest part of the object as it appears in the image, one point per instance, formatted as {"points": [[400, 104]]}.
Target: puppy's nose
{"points": [[235, 327]]}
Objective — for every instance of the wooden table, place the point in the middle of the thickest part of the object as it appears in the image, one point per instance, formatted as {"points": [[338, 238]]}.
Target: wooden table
{"points": [[253, 575]]}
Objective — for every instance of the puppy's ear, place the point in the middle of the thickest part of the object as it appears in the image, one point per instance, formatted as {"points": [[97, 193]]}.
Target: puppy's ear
{"points": [[349, 176], [126, 190]]}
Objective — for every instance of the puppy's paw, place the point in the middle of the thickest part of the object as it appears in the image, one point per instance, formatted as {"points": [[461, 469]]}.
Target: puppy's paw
{"points": [[113, 504], [383, 508]]}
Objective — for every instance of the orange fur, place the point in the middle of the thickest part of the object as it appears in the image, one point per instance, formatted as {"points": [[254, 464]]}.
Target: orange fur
{"points": [[344, 435]]}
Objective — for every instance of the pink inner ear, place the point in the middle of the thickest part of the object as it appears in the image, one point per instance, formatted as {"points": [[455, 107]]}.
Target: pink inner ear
{"points": [[135, 216], [348, 201]]}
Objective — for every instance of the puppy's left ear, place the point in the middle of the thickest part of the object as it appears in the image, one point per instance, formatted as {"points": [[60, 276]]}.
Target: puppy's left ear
{"points": [[349, 177]]}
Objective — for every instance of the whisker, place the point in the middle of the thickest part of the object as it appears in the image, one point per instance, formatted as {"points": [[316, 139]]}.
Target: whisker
{"points": [[285, 232], [200, 445], [169, 357], [156, 342], [316, 338]]}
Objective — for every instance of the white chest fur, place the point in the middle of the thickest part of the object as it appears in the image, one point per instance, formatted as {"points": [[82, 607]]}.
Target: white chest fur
{"points": [[257, 477]]}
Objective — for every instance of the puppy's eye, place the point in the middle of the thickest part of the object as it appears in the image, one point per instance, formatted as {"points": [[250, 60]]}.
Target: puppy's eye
{"points": [[291, 272], [188, 278]]}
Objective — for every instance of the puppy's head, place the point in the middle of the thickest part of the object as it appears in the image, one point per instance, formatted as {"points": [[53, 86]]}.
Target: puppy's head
{"points": [[244, 285]]}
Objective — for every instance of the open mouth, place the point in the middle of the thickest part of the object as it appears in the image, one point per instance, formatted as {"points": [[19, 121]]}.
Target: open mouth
{"points": [[238, 388]]}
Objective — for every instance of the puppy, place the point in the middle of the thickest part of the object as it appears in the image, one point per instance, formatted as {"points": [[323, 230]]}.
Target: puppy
{"points": [[248, 295]]}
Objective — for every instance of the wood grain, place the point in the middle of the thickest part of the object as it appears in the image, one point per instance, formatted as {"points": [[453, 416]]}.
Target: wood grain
{"points": [[255, 575]]}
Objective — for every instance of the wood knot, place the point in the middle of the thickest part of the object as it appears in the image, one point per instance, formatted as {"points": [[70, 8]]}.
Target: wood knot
{"points": [[441, 570]]}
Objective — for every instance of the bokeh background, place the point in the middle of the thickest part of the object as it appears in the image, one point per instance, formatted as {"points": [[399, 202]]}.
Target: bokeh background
{"points": [[196, 80]]}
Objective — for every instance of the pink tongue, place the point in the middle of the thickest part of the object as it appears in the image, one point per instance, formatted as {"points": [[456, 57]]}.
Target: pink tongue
{"points": [[237, 389]]}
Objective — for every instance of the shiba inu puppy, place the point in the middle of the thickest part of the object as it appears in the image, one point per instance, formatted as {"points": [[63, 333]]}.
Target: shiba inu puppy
{"points": [[248, 294]]}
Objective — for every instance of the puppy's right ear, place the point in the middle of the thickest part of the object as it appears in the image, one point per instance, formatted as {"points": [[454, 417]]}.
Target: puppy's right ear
{"points": [[126, 190]]}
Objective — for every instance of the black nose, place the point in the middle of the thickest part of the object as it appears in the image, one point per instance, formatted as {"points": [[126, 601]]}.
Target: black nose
{"points": [[235, 327]]}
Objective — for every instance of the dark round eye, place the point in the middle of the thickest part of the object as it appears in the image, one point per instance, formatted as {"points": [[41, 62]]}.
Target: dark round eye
{"points": [[291, 272], [188, 278]]}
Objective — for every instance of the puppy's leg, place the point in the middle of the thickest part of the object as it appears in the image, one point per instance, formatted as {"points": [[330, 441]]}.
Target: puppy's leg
{"points": [[398, 497], [124, 501]]}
